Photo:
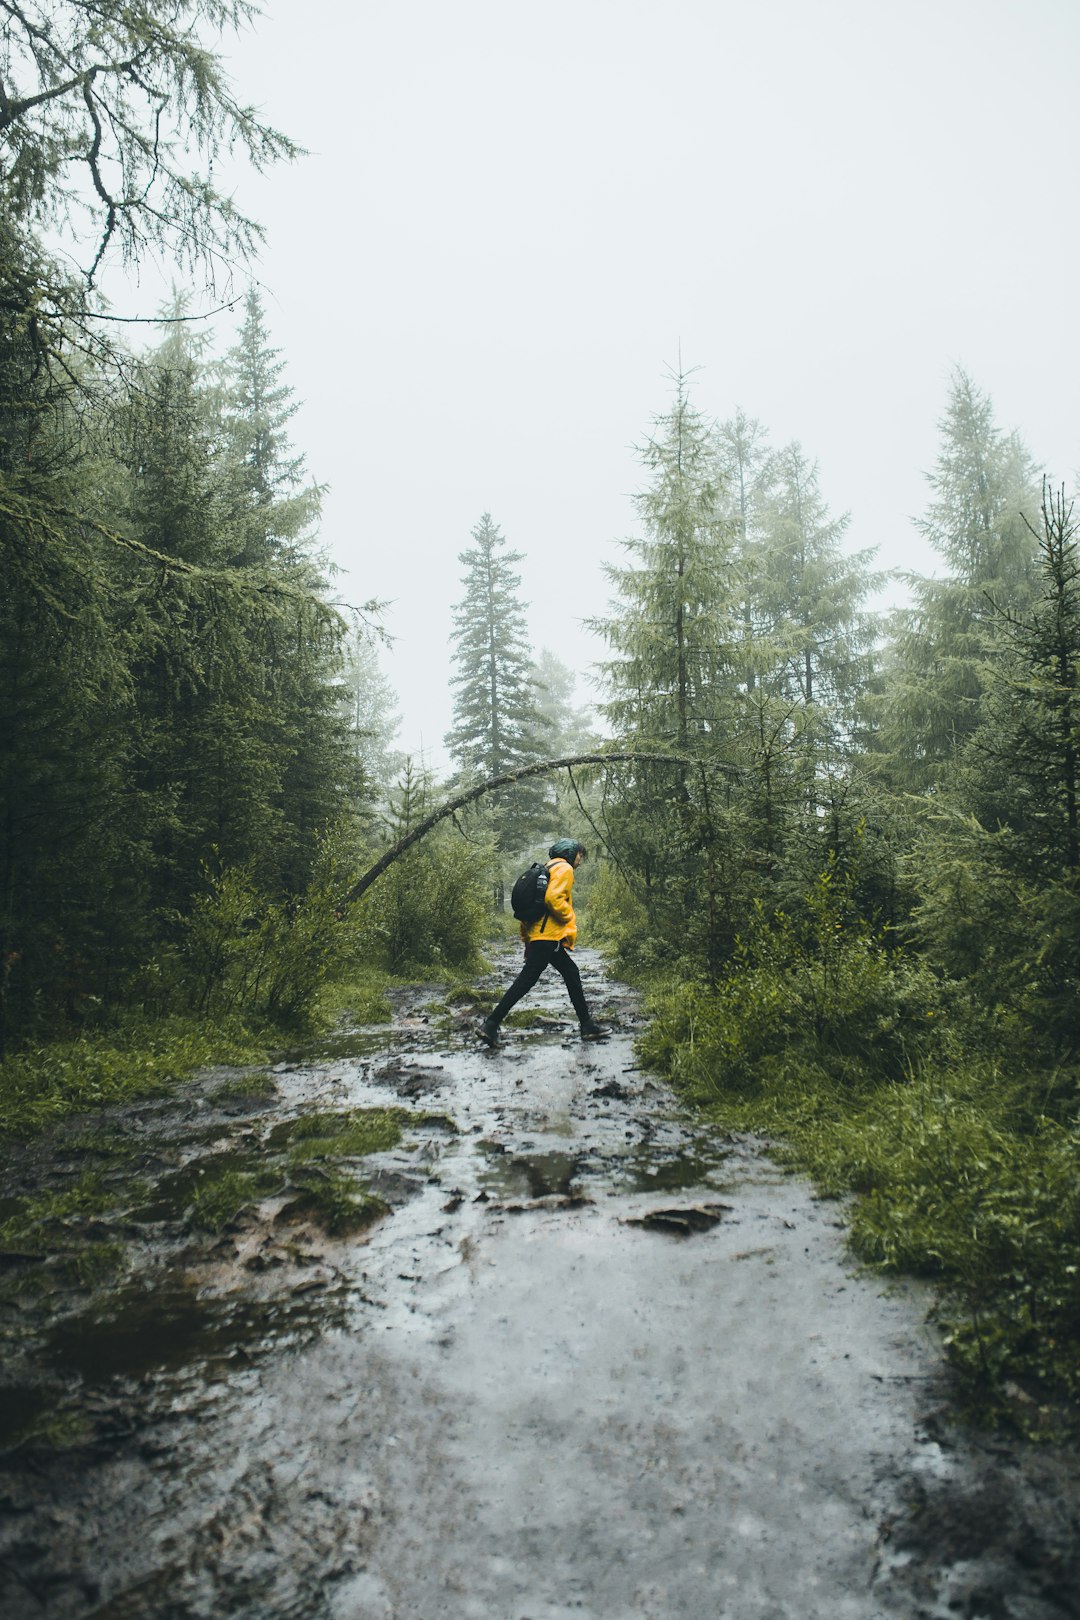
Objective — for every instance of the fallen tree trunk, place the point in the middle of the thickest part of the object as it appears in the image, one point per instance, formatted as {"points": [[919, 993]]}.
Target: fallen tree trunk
{"points": [[451, 806]]}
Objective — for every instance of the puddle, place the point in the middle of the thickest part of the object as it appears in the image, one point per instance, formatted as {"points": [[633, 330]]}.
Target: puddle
{"points": [[641, 1169], [411, 1080], [534, 1175], [644, 1170], [447, 1358]]}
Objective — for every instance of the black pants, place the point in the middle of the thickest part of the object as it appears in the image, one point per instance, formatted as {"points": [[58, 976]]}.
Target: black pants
{"points": [[539, 954]]}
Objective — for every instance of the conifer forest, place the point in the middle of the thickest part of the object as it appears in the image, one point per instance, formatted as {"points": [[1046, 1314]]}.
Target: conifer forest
{"points": [[833, 846]]}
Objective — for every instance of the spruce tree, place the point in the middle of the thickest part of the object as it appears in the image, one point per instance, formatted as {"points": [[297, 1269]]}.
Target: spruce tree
{"points": [[370, 703], [274, 503], [496, 723], [675, 632], [746, 465], [942, 647], [999, 872], [809, 593], [674, 626]]}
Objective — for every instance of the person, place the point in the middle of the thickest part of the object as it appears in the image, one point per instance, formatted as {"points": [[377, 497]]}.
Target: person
{"points": [[549, 943]]}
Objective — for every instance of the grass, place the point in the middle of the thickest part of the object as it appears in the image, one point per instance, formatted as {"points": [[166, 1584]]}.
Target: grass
{"points": [[142, 1057], [44, 1084], [349, 1134], [534, 1018], [336, 1202], [218, 1200], [94, 1263], [257, 1086], [28, 1227], [361, 996]]}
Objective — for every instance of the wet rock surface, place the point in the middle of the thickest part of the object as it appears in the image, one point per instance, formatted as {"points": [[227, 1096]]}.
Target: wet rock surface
{"points": [[583, 1358]]}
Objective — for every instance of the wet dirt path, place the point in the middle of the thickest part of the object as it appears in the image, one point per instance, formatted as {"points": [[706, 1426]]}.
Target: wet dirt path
{"points": [[597, 1364]]}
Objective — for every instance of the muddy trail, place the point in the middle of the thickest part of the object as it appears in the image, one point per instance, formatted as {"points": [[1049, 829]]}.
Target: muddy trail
{"points": [[527, 1343]]}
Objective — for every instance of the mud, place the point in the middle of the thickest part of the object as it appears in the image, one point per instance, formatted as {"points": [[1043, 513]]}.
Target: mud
{"points": [[591, 1362]]}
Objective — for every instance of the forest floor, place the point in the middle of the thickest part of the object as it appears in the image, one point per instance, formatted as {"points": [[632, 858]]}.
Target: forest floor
{"points": [[593, 1362]]}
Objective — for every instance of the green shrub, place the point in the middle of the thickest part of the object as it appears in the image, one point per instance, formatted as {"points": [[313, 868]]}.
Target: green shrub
{"points": [[822, 990], [615, 920], [431, 908], [961, 1177], [269, 959], [961, 1171]]}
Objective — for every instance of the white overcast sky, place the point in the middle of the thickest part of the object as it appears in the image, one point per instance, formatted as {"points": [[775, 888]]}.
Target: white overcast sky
{"points": [[513, 216]]}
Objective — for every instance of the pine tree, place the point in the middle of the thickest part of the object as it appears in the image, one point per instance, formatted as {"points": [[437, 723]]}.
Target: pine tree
{"points": [[674, 627], [273, 505], [809, 594], [68, 841], [371, 706], [746, 466], [675, 632], [999, 873], [942, 647], [567, 727], [496, 723]]}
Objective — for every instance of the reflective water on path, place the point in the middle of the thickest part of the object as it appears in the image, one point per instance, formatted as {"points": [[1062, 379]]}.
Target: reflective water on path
{"points": [[596, 1362]]}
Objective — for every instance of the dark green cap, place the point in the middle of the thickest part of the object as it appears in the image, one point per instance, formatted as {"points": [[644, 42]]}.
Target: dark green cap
{"points": [[565, 849]]}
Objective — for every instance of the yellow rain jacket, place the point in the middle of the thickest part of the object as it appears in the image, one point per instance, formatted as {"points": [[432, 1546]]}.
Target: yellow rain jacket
{"points": [[558, 921]]}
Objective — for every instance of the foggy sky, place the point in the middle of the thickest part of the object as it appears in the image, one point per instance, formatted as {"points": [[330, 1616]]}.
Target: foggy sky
{"points": [[513, 220]]}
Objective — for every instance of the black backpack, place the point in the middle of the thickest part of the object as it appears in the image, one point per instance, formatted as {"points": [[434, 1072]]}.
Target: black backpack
{"points": [[528, 897]]}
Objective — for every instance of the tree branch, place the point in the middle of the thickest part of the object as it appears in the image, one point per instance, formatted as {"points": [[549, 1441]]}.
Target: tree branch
{"points": [[508, 778]]}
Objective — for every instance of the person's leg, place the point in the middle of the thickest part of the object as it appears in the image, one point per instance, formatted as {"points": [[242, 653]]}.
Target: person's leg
{"points": [[538, 953], [565, 964]]}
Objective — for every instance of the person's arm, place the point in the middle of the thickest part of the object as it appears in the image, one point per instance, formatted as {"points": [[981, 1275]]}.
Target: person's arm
{"points": [[559, 888]]}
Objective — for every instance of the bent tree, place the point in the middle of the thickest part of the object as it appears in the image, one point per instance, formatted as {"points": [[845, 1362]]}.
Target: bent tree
{"points": [[496, 784]]}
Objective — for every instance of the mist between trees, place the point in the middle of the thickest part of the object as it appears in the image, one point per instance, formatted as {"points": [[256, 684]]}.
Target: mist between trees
{"points": [[856, 898]]}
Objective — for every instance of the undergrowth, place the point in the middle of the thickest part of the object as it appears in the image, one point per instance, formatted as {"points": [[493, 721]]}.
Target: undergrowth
{"points": [[963, 1166], [142, 1056], [44, 1083]]}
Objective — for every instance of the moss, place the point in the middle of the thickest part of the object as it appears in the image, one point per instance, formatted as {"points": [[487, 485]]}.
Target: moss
{"points": [[94, 1263], [466, 995], [533, 1018], [219, 1199], [337, 1203], [349, 1134], [56, 1430], [29, 1225]]}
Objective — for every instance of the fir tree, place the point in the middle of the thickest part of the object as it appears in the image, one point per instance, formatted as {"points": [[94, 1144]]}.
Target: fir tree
{"points": [[674, 631], [746, 467], [273, 505], [941, 648], [808, 593], [674, 627], [370, 703], [999, 871], [496, 724]]}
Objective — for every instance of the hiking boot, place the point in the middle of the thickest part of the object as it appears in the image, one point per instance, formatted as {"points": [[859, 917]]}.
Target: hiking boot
{"points": [[592, 1031], [489, 1032]]}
